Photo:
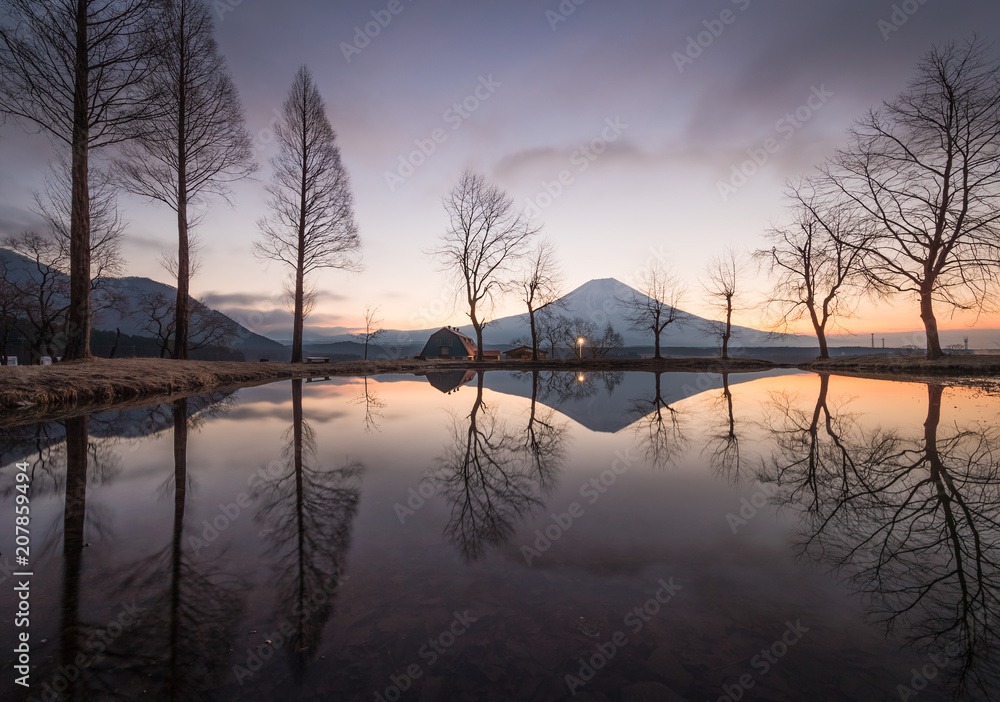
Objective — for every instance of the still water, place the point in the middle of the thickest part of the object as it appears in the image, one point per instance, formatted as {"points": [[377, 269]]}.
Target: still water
{"points": [[510, 536]]}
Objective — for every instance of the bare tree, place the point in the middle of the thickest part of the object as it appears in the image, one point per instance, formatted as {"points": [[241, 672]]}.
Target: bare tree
{"points": [[656, 304], [45, 284], [724, 286], [107, 225], [71, 68], [197, 144], [925, 171], [540, 287], [486, 238], [207, 327], [311, 225], [372, 331], [812, 266], [608, 341], [571, 330], [548, 324], [11, 303]]}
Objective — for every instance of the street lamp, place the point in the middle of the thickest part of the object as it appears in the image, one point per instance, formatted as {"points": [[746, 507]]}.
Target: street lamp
{"points": [[580, 378], [579, 343]]}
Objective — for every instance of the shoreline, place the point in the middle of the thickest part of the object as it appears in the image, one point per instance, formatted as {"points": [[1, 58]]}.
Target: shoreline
{"points": [[39, 393]]}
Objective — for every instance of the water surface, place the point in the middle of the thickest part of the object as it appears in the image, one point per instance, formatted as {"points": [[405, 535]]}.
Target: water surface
{"points": [[513, 537]]}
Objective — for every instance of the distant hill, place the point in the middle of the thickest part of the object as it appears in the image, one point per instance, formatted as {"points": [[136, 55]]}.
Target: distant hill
{"points": [[133, 288]]}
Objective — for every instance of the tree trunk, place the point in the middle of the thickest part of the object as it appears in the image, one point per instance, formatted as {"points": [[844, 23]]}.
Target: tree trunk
{"points": [[534, 334], [819, 327], [479, 333], [181, 308], [300, 264], [729, 328], [479, 341], [930, 324], [78, 322], [299, 322], [824, 349], [656, 343]]}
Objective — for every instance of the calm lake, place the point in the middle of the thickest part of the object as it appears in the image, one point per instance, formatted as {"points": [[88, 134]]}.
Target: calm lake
{"points": [[508, 536]]}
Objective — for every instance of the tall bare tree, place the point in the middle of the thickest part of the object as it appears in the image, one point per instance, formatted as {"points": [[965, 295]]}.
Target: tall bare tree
{"points": [[925, 170], [813, 267], [486, 238], [71, 68], [724, 286], [198, 143], [656, 304], [311, 225], [540, 287]]}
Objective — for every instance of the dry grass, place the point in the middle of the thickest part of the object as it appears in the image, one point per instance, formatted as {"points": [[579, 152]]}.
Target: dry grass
{"points": [[951, 365]]}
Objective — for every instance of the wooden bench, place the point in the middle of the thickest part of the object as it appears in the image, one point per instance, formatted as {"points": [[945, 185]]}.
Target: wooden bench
{"points": [[317, 359]]}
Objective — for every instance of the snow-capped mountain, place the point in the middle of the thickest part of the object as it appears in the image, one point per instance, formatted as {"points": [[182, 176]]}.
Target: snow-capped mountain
{"points": [[600, 301]]}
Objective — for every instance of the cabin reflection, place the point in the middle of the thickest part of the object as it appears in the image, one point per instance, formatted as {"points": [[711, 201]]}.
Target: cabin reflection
{"points": [[450, 381]]}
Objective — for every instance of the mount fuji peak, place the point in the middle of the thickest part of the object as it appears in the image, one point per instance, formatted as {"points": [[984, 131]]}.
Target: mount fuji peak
{"points": [[601, 301]]}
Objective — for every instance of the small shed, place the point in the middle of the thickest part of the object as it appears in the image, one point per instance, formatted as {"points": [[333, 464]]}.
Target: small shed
{"points": [[523, 353], [448, 342]]}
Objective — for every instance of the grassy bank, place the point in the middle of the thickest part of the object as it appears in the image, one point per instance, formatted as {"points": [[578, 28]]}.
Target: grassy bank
{"points": [[952, 365]]}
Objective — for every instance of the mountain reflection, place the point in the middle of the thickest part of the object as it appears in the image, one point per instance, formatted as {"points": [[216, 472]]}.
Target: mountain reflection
{"points": [[307, 513], [494, 476], [910, 520]]}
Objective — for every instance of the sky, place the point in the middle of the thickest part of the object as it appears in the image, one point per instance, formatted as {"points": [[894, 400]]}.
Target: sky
{"points": [[614, 123]]}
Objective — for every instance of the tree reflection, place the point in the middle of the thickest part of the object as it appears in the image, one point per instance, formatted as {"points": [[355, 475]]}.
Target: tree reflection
{"points": [[563, 387], [913, 522], [493, 476], [179, 648], [544, 441], [659, 428], [308, 513], [74, 521], [722, 444], [373, 407]]}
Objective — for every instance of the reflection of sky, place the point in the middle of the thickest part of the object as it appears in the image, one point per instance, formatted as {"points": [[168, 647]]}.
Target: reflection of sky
{"points": [[654, 188], [738, 589]]}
